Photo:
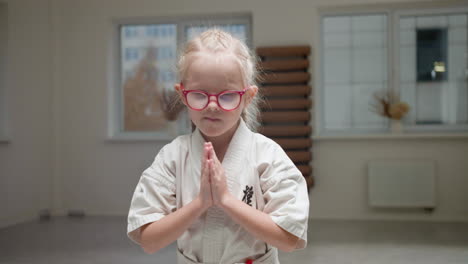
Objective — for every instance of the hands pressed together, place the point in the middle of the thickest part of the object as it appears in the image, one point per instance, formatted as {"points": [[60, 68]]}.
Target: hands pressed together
{"points": [[213, 186], [214, 192]]}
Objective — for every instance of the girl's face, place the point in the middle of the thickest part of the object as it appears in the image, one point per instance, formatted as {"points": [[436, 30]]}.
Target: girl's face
{"points": [[214, 74]]}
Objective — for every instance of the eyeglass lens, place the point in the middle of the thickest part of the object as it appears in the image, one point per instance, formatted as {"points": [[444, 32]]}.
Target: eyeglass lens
{"points": [[228, 100]]}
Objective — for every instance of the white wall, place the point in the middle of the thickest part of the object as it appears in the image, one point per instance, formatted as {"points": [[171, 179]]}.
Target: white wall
{"points": [[3, 67], [340, 170], [26, 161], [99, 176]]}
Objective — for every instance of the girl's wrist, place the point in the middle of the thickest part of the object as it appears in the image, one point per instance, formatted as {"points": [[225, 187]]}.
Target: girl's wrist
{"points": [[226, 201], [201, 205]]}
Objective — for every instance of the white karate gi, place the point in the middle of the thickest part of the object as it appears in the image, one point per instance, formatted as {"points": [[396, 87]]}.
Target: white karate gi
{"points": [[256, 168]]}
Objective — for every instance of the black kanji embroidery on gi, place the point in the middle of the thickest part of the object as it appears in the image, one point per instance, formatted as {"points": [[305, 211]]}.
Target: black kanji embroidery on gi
{"points": [[248, 192]]}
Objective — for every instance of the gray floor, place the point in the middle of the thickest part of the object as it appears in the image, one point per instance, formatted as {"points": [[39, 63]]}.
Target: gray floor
{"points": [[103, 240]]}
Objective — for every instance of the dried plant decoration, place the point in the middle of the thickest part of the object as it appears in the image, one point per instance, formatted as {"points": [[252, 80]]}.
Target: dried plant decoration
{"points": [[387, 104]]}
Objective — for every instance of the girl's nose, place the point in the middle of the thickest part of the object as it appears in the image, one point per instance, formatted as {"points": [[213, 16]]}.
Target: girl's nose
{"points": [[212, 102]]}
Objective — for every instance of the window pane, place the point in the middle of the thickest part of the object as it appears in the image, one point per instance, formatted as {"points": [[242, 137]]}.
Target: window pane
{"points": [[355, 67], [433, 52], [148, 55]]}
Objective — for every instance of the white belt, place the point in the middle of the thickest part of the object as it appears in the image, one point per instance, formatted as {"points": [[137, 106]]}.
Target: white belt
{"points": [[271, 257]]}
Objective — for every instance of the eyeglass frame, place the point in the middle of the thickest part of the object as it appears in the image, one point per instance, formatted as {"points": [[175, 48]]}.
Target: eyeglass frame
{"points": [[185, 92]]}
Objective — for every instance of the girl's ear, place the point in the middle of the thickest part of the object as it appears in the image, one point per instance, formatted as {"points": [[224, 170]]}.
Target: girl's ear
{"points": [[251, 92], [178, 89]]}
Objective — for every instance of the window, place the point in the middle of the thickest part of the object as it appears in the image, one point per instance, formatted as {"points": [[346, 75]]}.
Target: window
{"points": [[427, 49], [433, 68], [3, 67], [354, 66], [142, 105]]}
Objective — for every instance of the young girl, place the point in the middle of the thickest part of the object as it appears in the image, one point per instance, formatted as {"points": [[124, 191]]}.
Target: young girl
{"points": [[227, 194]]}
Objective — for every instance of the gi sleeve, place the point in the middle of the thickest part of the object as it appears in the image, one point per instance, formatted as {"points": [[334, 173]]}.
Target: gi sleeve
{"points": [[285, 193], [154, 196]]}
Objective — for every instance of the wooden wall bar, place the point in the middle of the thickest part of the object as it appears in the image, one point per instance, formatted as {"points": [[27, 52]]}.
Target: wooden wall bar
{"points": [[289, 77], [286, 131], [278, 104], [283, 51], [286, 113], [294, 143], [285, 90], [284, 65]]}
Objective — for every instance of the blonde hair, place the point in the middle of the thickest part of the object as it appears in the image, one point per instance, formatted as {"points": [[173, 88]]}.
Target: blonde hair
{"points": [[217, 41]]}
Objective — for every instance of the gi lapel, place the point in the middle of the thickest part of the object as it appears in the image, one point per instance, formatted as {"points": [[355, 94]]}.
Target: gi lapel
{"points": [[236, 154]]}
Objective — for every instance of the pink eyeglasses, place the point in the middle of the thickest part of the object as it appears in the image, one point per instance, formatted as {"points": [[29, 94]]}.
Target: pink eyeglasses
{"points": [[199, 100]]}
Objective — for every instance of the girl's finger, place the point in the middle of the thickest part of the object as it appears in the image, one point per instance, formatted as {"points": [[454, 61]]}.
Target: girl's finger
{"points": [[208, 148], [213, 155], [214, 170], [206, 166], [208, 170], [206, 151], [203, 170], [204, 156], [211, 174], [207, 174]]}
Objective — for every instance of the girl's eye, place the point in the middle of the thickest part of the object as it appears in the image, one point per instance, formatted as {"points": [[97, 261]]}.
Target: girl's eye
{"points": [[197, 96], [227, 97]]}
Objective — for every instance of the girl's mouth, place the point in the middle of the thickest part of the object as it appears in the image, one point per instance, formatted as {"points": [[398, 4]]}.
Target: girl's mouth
{"points": [[212, 119]]}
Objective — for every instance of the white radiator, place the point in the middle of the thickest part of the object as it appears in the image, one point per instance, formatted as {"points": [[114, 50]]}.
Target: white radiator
{"points": [[401, 183]]}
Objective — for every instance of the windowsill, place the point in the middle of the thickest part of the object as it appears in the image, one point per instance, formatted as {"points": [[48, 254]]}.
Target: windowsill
{"points": [[391, 136]]}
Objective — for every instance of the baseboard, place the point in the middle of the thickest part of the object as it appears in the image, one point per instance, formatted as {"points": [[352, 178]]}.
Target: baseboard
{"points": [[59, 212], [108, 213], [17, 219], [396, 219]]}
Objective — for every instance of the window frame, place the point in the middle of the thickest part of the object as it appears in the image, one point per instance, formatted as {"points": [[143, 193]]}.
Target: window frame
{"points": [[393, 13], [115, 107]]}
